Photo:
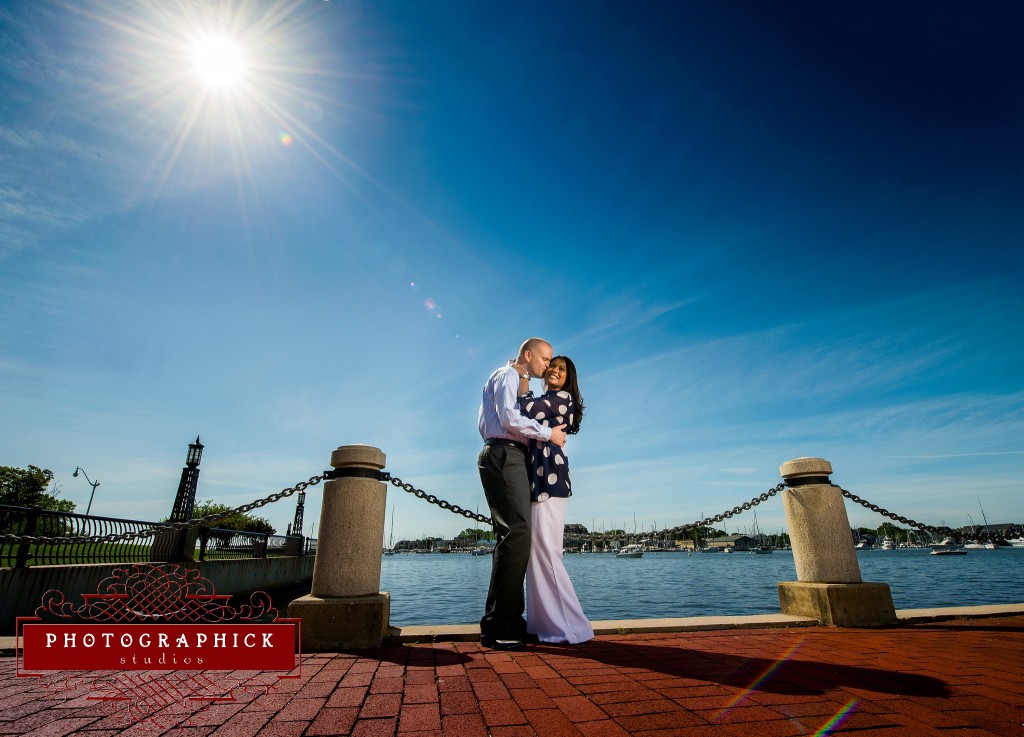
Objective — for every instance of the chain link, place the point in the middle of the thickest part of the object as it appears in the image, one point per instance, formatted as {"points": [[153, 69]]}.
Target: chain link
{"points": [[420, 494], [167, 526], [739, 509], [981, 535], [455, 508]]}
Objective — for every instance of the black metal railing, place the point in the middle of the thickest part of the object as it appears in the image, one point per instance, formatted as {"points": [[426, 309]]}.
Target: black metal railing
{"points": [[215, 543], [212, 543], [34, 521]]}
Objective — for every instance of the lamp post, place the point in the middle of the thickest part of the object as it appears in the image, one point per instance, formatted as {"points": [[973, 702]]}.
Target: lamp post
{"points": [[91, 483], [185, 499]]}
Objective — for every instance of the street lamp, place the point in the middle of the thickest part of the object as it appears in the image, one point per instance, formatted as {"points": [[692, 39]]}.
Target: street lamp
{"points": [[91, 483]]}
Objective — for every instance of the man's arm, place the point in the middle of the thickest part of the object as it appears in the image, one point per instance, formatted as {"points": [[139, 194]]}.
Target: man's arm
{"points": [[506, 393]]}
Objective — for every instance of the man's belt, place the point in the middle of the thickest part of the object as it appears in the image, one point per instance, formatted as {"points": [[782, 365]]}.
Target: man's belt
{"points": [[506, 441]]}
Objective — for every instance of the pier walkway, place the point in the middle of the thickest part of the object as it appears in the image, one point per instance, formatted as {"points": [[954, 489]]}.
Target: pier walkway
{"points": [[944, 673]]}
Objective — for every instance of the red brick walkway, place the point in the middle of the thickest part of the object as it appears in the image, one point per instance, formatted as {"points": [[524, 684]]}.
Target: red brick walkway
{"points": [[954, 678]]}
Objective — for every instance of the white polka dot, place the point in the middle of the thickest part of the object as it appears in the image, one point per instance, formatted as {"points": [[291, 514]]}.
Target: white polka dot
{"points": [[547, 451], [552, 478], [529, 406], [540, 471], [559, 461], [563, 395], [540, 415], [563, 409]]}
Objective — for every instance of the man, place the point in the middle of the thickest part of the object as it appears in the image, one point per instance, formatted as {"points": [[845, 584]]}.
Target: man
{"points": [[505, 477]]}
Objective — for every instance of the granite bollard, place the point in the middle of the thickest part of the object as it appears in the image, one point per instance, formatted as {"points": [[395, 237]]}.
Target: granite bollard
{"points": [[345, 608], [828, 586]]}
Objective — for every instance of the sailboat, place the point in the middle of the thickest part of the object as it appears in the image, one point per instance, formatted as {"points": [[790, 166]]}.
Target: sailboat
{"points": [[390, 549], [980, 545], [761, 548], [479, 549]]}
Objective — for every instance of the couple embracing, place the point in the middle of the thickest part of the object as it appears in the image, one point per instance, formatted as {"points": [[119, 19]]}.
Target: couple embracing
{"points": [[525, 475]]}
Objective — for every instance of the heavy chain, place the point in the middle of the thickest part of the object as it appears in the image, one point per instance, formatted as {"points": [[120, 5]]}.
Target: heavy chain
{"points": [[420, 494], [724, 515], [985, 535], [167, 526]]}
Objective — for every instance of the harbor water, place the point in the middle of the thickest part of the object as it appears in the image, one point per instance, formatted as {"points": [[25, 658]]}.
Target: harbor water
{"points": [[451, 588]]}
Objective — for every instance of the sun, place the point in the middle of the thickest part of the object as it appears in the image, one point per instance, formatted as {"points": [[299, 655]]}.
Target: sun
{"points": [[217, 61]]}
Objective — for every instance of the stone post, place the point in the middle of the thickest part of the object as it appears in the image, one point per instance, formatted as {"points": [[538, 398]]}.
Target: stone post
{"points": [[293, 545], [174, 546], [828, 586], [345, 609]]}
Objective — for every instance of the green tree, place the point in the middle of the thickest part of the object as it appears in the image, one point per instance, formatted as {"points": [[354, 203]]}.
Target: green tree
{"points": [[477, 534], [243, 522], [890, 530], [28, 488]]}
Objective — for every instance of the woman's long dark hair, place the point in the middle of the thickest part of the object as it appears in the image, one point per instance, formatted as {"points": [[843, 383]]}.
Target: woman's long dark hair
{"points": [[572, 386]]}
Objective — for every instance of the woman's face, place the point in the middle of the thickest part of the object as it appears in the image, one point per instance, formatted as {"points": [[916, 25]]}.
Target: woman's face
{"points": [[556, 374]]}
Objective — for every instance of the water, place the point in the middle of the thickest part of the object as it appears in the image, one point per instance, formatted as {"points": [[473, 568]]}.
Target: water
{"points": [[450, 589]]}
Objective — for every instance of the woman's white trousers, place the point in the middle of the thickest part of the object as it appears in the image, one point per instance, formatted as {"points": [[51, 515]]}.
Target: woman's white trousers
{"points": [[553, 611]]}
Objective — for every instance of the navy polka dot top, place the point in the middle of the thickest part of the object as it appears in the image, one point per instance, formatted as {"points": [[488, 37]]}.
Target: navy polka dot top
{"points": [[549, 466]]}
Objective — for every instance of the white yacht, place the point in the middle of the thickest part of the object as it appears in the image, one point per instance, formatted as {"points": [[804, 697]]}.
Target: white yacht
{"points": [[980, 546], [630, 551]]}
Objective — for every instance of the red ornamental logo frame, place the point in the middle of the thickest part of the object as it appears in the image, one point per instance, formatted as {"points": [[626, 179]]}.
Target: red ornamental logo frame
{"points": [[147, 639]]}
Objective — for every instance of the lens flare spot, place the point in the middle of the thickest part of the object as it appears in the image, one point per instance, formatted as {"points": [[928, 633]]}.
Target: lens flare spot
{"points": [[837, 720], [429, 304], [765, 675], [286, 139]]}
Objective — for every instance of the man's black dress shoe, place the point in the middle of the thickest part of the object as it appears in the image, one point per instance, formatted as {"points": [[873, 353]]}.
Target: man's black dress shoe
{"points": [[498, 644]]}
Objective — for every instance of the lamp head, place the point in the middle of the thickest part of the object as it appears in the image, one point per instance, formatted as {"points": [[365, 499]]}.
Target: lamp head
{"points": [[75, 474]]}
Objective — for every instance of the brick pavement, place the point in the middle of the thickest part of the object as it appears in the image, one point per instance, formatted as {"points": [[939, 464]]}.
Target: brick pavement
{"points": [[953, 678]]}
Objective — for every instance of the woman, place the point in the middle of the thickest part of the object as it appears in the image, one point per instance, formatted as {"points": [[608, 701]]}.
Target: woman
{"points": [[553, 612]]}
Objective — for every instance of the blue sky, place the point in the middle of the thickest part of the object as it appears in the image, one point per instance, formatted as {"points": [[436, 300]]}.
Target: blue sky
{"points": [[762, 231]]}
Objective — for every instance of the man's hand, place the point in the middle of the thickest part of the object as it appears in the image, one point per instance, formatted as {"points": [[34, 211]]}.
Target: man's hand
{"points": [[558, 435]]}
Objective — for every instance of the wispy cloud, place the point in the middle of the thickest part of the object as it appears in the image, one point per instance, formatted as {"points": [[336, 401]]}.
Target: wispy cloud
{"points": [[623, 313]]}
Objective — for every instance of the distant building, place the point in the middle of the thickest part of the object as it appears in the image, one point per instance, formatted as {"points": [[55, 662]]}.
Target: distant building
{"points": [[737, 542], [1002, 529]]}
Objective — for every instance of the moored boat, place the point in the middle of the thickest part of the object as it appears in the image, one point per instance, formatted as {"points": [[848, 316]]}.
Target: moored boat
{"points": [[630, 551]]}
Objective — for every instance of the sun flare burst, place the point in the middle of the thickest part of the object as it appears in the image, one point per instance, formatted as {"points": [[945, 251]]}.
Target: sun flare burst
{"points": [[206, 87], [217, 60]]}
